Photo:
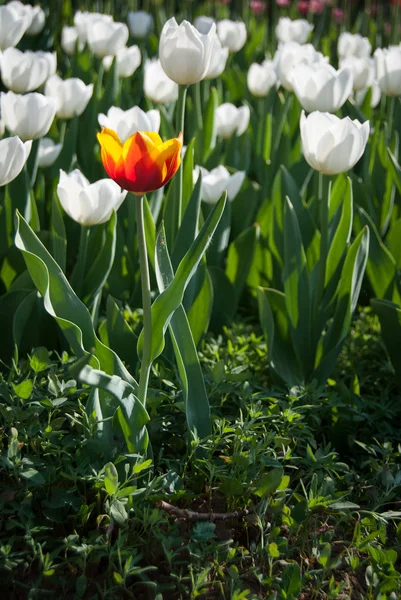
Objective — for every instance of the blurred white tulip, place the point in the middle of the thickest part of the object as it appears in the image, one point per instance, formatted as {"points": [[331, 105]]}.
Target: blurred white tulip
{"points": [[217, 180], [12, 26], [218, 60], [156, 85], [375, 97], [69, 40], [30, 116], [34, 14], [388, 70], [184, 52], [321, 87], [140, 23], [25, 71], [13, 156], [363, 73], [353, 44], [332, 145], [261, 78], [127, 122], [203, 24], [293, 31], [106, 37], [231, 120], [84, 20], [71, 96], [128, 60], [232, 34], [88, 204], [48, 152], [292, 55]]}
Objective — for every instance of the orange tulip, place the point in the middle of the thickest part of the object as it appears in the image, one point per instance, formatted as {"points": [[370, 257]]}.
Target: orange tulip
{"points": [[143, 163]]}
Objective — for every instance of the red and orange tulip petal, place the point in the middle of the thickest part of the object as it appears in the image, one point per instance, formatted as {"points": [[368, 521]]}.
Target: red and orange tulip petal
{"points": [[144, 163]]}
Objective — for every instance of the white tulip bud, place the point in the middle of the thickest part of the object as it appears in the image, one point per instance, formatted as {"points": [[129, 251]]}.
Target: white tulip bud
{"points": [[362, 69], [30, 116], [332, 145], [34, 15], [261, 78], [388, 70], [12, 26], [127, 122], [184, 52], [218, 60], [353, 44], [71, 96], [293, 31], [24, 72], [231, 120], [48, 152], [84, 21], [232, 34], [140, 23], [128, 60], [217, 180], [88, 204], [156, 85], [69, 40], [321, 87], [106, 37], [13, 156]]}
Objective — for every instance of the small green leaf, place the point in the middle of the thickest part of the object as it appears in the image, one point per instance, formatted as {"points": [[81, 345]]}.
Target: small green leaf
{"points": [[269, 483], [24, 389], [110, 479], [33, 477], [39, 360]]}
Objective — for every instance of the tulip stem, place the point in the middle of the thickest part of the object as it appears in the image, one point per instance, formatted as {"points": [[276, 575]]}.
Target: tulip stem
{"points": [[146, 302], [77, 278], [324, 205], [390, 116], [177, 207]]}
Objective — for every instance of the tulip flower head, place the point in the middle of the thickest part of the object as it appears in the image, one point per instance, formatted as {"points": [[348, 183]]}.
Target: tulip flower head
{"points": [[156, 85], [231, 120], [218, 60], [388, 70], [23, 72], [128, 60], [353, 44], [48, 152], [321, 87], [127, 122], [33, 14], [184, 52], [69, 40], [362, 71], [140, 23], [217, 180], [232, 34], [13, 156], [70, 95], [261, 78], [12, 26], [293, 54], [293, 31], [203, 24], [29, 116], [143, 163], [88, 203], [332, 145]]}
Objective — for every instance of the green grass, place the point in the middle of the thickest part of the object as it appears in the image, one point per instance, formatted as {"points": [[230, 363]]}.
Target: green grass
{"points": [[318, 472]]}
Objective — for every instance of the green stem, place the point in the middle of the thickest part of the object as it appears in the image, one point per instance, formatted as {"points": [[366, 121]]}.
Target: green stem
{"points": [[177, 207], [80, 267], [324, 204], [198, 106], [146, 302], [390, 116]]}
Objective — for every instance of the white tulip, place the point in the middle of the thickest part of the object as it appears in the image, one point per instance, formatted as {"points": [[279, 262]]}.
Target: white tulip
{"points": [[261, 78], [127, 122], [353, 44], [321, 87], [34, 14], [375, 97], [71, 96], [218, 60], [156, 85], [231, 120], [140, 23], [30, 116], [84, 21], [25, 71], [69, 40], [12, 26], [293, 31], [13, 156], [388, 70], [204, 24], [292, 55], [363, 73], [184, 52], [106, 37], [48, 152], [332, 145], [217, 180], [128, 60], [232, 34], [88, 204]]}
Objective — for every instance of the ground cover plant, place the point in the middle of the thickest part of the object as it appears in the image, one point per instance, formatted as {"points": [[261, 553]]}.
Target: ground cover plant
{"points": [[200, 300]]}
